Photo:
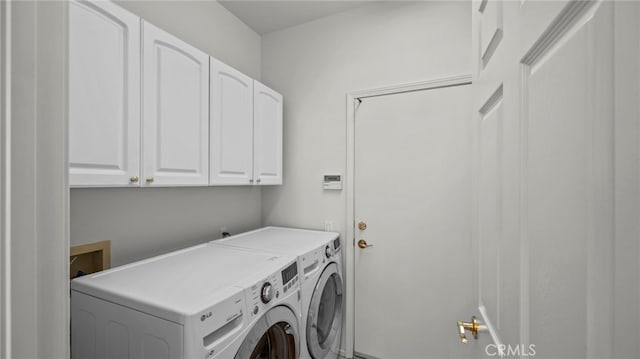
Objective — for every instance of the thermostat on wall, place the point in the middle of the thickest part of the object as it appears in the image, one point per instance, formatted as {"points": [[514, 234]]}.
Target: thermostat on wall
{"points": [[332, 181]]}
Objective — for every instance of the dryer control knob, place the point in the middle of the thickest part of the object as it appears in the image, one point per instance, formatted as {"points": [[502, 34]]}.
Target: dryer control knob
{"points": [[266, 294], [328, 252]]}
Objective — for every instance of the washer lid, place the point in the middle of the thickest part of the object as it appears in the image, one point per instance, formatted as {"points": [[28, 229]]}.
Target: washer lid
{"points": [[178, 284], [281, 240]]}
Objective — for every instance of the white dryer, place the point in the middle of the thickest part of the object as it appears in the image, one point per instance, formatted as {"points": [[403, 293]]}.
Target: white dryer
{"points": [[320, 264], [207, 301]]}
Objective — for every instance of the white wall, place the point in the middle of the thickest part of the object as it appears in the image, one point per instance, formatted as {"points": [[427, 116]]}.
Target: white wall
{"points": [[145, 222], [142, 222], [206, 25], [314, 65]]}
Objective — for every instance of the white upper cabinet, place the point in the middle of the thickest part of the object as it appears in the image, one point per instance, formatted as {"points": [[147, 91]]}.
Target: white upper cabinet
{"points": [[104, 95], [267, 135], [246, 129], [175, 111], [231, 126], [139, 109]]}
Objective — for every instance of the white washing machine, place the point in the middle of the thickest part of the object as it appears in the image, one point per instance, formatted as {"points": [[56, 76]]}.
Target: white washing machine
{"points": [[207, 301], [272, 329], [320, 264]]}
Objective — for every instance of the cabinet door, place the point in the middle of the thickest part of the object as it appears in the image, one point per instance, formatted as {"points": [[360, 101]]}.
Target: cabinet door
{"points": [[104, 95], [231, 126], [175, 111], [267, 137]]}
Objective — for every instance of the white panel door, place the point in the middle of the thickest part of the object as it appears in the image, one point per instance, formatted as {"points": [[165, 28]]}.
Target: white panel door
{"points": [[495, 154], [231, 126], [412, 186], [267, 135], [104, 95], [175, 111], [567, 120], [544, 194]]}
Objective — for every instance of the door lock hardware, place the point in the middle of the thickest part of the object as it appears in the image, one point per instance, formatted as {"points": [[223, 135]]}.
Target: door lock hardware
{"points": [[473, 326], [363, 244], [362, 225]]}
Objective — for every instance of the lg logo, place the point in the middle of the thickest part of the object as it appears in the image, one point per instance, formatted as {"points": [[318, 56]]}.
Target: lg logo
{"points": [[205, 316]]}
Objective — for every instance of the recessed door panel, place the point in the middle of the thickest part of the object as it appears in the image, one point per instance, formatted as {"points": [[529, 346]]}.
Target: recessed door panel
{"points": [[489, 172], [490, 28], [565, 190]]}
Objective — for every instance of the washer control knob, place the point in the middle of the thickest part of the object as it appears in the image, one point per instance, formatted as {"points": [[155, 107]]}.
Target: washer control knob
{"points": [[328, 252], [266, 294]]}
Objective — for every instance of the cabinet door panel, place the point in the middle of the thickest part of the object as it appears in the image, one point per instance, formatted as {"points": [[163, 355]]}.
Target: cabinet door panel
{"points": [[176, 111], [267, 148], [231, 126], [104, 95]]}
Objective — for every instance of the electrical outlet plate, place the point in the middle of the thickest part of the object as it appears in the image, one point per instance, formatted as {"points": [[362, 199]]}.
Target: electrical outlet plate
{"points": [[328, 226]]}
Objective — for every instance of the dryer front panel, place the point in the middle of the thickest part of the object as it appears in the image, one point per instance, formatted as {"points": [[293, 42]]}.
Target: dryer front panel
{"points": [[324, 320]]}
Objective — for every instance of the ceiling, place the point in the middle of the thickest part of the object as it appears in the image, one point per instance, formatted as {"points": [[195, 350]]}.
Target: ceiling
{"points": [[265, 16]]}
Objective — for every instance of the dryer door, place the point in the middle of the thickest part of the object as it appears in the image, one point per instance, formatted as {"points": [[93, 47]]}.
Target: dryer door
{"points": [[274, 336], [324, 321]]}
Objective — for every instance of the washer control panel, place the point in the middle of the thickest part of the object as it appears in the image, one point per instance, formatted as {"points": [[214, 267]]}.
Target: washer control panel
{"points": [[332, 249], [261, 295]]}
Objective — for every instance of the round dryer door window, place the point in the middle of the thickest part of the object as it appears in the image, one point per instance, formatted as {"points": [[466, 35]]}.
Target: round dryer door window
{"points": [[324, 321], [274, 336]]}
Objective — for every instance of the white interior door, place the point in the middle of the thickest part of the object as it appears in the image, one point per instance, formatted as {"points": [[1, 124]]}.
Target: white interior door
{"points": [[496, 191], [567, 119], [413, 191], [544, 156]]}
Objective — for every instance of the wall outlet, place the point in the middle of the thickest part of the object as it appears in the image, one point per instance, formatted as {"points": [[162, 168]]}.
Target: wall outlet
{"points": [[328, 226]]}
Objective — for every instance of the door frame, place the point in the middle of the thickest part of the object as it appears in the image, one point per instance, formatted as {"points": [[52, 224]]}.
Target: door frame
{"points": [[34, 185], [354, 99], [5, 204]]}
